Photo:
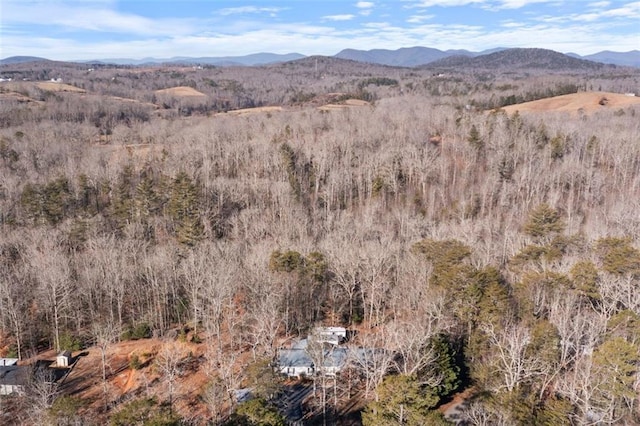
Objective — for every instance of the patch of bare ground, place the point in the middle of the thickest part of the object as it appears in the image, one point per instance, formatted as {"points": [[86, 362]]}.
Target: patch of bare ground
{"points": [[17, 97], [49, 86], [452, 409], [349, 103], [257, 110], [576, 103], [180, 91], [125, 382]]}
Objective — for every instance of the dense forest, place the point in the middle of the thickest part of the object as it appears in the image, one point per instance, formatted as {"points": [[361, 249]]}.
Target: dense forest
{"points": [[473, 249]]}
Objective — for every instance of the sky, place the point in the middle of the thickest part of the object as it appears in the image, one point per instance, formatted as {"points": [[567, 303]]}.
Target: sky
{"points": [[136, 29]]}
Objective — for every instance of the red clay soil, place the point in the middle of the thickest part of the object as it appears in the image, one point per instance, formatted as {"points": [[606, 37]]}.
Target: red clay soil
{"points": [[457, 399]]}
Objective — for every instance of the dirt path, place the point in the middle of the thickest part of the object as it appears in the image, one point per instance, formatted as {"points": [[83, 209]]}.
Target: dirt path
{"points": [[453, 409]]}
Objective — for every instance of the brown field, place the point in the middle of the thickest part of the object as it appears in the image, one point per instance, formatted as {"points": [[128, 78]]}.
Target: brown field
{"points": [[587, 102], [182, 91], [347, 104], [17, 97], [43, 85], [246, 111]]}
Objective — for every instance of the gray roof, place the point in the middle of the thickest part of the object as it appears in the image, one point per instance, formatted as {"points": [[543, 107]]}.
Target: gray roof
{"points": [[294, 358], [14, 375], [335, 357]]}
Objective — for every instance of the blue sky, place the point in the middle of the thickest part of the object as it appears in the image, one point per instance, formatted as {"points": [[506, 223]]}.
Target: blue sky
{"points": [[93, 29]]}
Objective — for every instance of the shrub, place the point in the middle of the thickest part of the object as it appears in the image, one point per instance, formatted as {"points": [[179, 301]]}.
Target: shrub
{"points": [[145, 412], [70, 342], [140, 331], [134, 362]]}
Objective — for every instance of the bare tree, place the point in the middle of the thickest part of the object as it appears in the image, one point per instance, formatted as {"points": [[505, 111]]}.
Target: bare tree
{"points": [[51, 267], [169, 363], [511, 364], [105, 335], [14, 301], [372, 359], [42, 391]]}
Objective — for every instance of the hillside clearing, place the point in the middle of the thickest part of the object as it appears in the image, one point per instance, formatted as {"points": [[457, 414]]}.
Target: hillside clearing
{"points": [[49, 86], [182, 91], [347, 104], [257, 110], [587, 102]]}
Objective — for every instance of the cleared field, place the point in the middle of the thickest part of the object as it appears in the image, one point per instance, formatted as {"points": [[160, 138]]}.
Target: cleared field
{"points": [[587, 102], [247, 111], [181, 91], [17, 97], [347, 104], [49, 86]]}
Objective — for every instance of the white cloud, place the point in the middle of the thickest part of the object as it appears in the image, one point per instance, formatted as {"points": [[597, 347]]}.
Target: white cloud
{"points": [[419, 19], [345, 17], [487, 4], [517, 4], [512, 24], [365, 7], [630, 11], [92, 16], [248, 9], [446, 3], [599, 4]]}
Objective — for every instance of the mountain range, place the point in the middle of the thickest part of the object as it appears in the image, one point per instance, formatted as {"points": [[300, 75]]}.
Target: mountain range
{"points": [[403, 57]]}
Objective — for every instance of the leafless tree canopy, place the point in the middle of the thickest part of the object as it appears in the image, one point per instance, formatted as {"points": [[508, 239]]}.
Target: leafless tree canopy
{"points": [[416, 217]]}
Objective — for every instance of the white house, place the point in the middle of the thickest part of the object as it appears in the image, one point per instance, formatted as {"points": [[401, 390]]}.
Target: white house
{"points": [[298, 361]]}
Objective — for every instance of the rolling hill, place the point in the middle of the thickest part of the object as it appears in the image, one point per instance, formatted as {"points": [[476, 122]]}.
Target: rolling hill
{"points": [[583, 102], [20, 59], [519, 58]]}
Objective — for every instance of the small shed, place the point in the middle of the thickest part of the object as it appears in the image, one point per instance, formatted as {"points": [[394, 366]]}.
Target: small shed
{"points": [[64, 359], [333, 335]]}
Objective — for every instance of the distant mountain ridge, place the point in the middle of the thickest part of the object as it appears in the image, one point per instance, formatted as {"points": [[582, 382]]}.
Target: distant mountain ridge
{"points": [[519, 58], [403, 57], [20, 59], [416, 56], [631, 58], [247, 60]]}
